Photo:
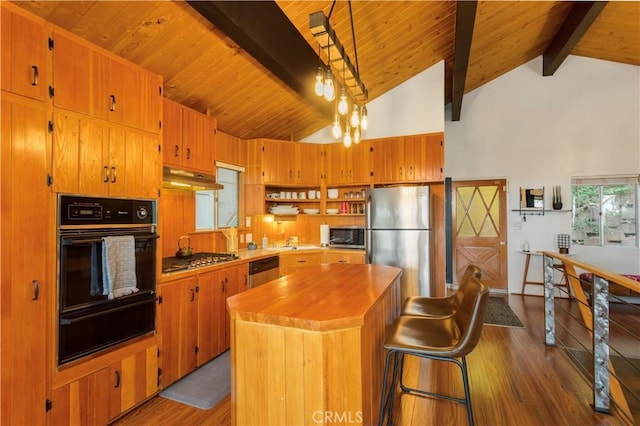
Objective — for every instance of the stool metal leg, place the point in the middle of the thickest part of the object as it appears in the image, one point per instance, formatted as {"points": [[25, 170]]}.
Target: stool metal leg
{"points": [[383, 395], [467, 393]]}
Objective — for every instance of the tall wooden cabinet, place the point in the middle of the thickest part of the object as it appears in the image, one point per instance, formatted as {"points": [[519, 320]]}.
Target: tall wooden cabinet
{"points": [[27, 280]]}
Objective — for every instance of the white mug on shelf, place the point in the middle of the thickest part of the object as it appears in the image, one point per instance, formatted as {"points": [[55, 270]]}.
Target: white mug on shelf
{"points": [[312, 194]]}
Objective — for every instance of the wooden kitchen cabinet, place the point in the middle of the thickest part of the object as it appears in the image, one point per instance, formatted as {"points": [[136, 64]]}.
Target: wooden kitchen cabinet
{"points": [[211, 306], [99, 397], [213, 321], [230, 149], [290, 262], [91, 157], [416, 158], [343, 257], [25, 59], [307, 164], [237, 281], [347, 165], [177, 328], [27, 275], [188, 138], [278, 158], [90, 80]]}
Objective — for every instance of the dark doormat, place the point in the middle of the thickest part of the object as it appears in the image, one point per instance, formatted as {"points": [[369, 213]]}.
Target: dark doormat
{"points": [[499, 313], [205, 387]]}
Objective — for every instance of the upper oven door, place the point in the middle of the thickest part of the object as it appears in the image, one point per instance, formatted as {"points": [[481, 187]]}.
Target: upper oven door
{"points": [[81, 266]]}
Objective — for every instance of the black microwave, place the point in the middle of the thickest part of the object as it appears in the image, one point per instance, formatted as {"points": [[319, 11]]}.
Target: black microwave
{"points": [[346, 237]]}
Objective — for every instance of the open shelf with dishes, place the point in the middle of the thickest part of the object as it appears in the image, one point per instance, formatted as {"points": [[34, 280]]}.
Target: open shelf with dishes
{"points": [[346, 200], [292, 201]]}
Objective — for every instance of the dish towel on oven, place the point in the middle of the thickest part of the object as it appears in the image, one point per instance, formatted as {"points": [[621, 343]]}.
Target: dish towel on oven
{"points": [[118, 266]]}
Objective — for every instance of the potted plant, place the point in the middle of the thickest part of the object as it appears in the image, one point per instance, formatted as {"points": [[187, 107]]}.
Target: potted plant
{"points": [[557, 198]]}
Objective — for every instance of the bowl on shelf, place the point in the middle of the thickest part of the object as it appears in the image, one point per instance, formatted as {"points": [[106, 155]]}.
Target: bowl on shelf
{"points": [[332, 211], [311, 211], [332, 193]]}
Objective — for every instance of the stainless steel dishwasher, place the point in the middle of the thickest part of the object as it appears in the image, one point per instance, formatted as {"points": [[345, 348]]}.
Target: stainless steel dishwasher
{"points": [[263, 270]]}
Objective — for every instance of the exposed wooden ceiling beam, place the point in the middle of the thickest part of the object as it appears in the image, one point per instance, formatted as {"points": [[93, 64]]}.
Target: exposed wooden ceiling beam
{"points": [[265, 33], [465, 21], [576, 24]]}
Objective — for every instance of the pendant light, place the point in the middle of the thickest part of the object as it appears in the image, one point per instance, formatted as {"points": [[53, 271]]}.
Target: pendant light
{"points": [[342, 106], [336, 129], [319, 88], [329, 92], [355, 117], [364, 119], [347, 137]]}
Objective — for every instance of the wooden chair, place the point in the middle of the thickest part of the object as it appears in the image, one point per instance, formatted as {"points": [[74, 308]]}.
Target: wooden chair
{"points": [[439, 338], [440, 306]]}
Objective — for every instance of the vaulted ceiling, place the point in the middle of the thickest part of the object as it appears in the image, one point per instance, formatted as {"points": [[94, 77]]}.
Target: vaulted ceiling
{"points": [[207, 70]]}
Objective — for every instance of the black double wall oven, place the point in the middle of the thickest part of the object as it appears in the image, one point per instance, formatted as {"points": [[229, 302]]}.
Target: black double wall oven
{"points": [[91, 319]]}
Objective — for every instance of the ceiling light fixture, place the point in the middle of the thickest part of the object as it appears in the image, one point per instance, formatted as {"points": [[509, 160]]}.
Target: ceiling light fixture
{"points": [[338, 59]]}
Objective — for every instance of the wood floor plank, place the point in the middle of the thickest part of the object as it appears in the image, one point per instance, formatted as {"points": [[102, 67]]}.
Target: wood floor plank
{"points": [[514, 378]]}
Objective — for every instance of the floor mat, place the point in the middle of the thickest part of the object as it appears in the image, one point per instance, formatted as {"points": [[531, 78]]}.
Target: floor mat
{"points": [[205, 387], [499, 313]]}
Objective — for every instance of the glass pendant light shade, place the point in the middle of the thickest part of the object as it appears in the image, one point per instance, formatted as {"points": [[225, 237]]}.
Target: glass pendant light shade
{"points": [[364, 119], [319, 87], [355, 117], [342, 106], [329, 91], [356, 135], [336, 130], [347, 137]]}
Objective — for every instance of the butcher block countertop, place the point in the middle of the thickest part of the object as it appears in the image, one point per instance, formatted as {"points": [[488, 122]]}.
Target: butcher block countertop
{"points": [[310, 344], [320, 298]]}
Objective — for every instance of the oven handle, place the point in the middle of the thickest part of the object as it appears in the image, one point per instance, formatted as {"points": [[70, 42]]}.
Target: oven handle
{"points": [[73, 240], [65, 321]]}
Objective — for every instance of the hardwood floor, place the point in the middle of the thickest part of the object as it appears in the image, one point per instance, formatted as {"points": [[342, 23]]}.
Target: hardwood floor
{"points": [[514, 378]]}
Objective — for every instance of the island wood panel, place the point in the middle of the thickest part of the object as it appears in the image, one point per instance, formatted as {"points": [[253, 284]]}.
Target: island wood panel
{"points": [[308, 347]]}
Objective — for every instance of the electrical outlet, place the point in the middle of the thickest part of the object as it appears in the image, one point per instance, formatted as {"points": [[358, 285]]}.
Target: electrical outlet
{"points": [[517, 226]]}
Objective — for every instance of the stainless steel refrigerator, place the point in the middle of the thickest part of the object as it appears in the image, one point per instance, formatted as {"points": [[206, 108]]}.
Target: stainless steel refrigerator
{"points": [[398, 222]]}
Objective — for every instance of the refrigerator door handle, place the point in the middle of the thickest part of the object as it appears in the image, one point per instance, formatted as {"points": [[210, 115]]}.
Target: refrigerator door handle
{"points": [[368, 248]]}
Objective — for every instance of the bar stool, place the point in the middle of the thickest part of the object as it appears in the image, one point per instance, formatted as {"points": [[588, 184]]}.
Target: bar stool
{"points": [[440, 306], [439, 338]]}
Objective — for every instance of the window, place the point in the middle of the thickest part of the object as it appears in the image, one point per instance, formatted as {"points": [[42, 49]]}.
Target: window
{"points": [[605, 211], [219, 209]]}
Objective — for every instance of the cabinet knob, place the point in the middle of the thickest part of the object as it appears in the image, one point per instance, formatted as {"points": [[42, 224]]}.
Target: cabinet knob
{"points": [[114, 176], [113, 103], [176, 151], [105, 179], [117, 383]]}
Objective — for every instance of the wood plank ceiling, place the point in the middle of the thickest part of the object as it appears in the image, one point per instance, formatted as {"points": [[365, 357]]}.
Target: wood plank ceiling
{"points": [[207, 71]]}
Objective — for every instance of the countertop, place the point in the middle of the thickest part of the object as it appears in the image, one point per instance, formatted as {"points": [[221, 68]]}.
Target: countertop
{"points": [[324, 297], [246, 256]]}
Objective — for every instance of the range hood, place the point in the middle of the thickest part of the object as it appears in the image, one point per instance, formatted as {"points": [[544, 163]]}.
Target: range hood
{"points": [[183, 179]]}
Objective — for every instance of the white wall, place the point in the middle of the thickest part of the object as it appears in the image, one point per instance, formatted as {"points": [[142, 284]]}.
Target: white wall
{"points": [[412, 108], [540, 131]]}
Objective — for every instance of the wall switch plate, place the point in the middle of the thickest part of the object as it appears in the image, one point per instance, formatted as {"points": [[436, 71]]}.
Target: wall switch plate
{"points": [[517, 226], [247, 221], [249, 237]]}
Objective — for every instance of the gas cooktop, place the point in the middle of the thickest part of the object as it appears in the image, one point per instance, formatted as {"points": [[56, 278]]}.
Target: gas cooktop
{"points": [[197, 260]]}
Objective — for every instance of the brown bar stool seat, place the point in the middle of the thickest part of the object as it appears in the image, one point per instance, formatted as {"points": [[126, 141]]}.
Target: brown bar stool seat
{"points": [[440, 306], [440, 338]]}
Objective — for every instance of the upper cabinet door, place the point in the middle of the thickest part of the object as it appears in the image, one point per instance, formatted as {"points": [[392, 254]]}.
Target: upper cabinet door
{"points": [[172, 151], [278, 159], [307, 163], [358, 163], [198, 141], [72, 80], [24, 54]]}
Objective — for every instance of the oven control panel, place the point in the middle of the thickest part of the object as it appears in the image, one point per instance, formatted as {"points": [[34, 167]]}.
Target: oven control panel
{"points": [[75, 210]]}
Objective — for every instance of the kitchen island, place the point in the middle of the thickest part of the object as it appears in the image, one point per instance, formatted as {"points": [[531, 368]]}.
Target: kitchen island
{"points": [[307, 348]]}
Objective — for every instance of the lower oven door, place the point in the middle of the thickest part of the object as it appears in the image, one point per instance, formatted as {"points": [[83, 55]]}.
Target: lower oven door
{"points": [[89, 330]]}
